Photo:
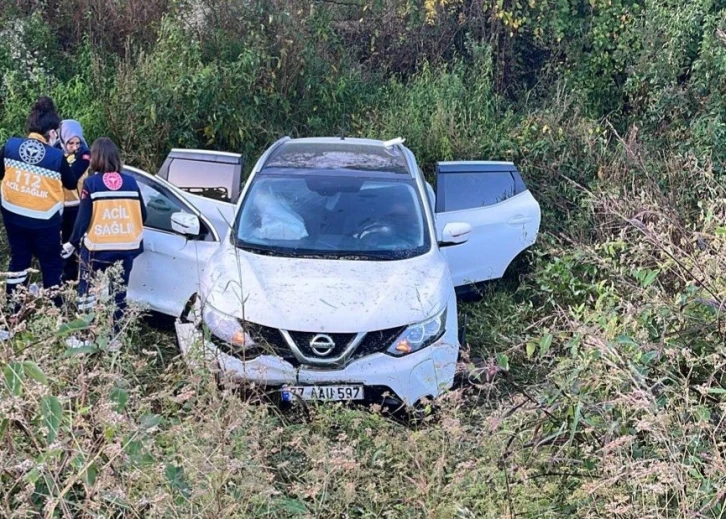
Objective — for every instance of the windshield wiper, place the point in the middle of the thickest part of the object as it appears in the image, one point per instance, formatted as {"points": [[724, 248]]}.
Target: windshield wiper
{"points": [[266, 252], [359, 257], [308, 254]]}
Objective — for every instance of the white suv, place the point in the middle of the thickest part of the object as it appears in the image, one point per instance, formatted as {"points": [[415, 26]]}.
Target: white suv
{"points": [[333, 277]]}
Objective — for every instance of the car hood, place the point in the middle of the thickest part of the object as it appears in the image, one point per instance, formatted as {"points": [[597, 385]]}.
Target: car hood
{"points": [[335, 296]]}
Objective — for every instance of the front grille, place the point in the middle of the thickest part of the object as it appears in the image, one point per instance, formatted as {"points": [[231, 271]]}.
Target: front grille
{"points": [[264, 336], [269, 341], [302, 341], [376, 342]]}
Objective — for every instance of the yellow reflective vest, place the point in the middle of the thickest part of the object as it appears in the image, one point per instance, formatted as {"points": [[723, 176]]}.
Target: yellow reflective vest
{"points": [[116, 220], [32, 186]]}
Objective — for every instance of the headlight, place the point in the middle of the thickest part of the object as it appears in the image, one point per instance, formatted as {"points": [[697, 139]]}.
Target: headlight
{"points": [[418, 336], [225, 327]]}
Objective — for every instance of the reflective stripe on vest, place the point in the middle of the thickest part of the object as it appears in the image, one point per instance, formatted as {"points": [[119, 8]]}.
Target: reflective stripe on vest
{"points": [[116, 222], [32, 190]]}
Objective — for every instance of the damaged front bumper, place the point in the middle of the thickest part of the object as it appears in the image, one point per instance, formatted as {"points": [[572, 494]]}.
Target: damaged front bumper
{"points": [[423, 374]]}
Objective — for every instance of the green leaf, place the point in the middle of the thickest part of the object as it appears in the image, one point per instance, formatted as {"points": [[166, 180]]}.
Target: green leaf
{"points": [[14, 375], [544, 344], [120, 397], [82, 323], [52, 413], [33, 476], [89, 476], [531, 347], [503, 361], [716, 391], [175, 476], [72, 352], [132, 447], [646, 276], [703, 413], [648, 357], [293, 506], [102, 343], [34, 372], [624, 339], [150, 420], [649, 278], [575, 421]]}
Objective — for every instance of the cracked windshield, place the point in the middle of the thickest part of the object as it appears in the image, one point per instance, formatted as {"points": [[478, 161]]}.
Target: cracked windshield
{"points": [[332, 216]]}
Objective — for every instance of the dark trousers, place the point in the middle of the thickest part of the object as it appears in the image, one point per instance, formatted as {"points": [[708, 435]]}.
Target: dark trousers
{"points": [[44, 244], [70, 265], [95, 262]]}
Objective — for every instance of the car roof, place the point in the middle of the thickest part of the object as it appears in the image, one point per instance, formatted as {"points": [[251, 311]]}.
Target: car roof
{"points": [[475, 166], [336, 155], [205, 155]]}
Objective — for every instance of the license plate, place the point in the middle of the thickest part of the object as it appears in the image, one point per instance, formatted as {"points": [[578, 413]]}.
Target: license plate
{"points": [[290, 393]]}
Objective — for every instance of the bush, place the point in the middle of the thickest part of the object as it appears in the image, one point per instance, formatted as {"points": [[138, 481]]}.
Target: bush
{"points": [[593, 383]]}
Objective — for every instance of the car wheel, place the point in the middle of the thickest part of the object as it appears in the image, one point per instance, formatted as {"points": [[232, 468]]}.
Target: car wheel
{"points": [[518, 267]]}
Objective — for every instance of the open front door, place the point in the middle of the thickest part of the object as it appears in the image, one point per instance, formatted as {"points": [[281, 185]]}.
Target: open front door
{"points": [[168, 272], [503, 214]]}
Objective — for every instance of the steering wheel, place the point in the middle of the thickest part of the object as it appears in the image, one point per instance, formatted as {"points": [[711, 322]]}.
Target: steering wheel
{"points": [[381, 234], [160, 204]]}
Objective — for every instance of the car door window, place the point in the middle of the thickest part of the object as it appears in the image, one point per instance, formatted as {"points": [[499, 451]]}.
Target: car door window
{"points": [[160, 205], [504, 217], [472, 190]]}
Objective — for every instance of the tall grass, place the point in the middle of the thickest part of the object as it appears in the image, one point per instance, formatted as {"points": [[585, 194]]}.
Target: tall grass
{"points": [[594, 380], [599, 393]]}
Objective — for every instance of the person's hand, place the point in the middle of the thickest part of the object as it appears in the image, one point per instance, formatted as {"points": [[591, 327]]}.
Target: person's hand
{"points": [[67, 250]]}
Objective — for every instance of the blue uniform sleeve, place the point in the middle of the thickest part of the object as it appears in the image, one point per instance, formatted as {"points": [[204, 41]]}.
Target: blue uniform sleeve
{"points": [[68, 177], [83, 220], [2, 162], [80, 165]]}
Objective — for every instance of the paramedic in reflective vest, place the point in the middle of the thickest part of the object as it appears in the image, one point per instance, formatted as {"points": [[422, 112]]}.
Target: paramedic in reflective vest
{"points": [[78, 157], [110, 224], [33, 174]]}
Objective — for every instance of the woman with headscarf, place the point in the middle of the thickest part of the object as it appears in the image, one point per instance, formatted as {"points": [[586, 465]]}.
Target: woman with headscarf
{"points": [[78, 156]]}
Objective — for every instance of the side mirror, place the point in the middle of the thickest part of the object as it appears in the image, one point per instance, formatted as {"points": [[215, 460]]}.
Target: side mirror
{"points": [[455, 233], [185, 223]]}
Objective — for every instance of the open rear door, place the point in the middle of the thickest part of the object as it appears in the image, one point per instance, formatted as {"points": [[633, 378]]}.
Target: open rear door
{"points": [[210, 180], [209, 174], [503, 214]]}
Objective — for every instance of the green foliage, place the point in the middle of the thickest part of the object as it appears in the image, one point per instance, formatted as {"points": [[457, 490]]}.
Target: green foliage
{"points": [[444, 113], [595, 382]]}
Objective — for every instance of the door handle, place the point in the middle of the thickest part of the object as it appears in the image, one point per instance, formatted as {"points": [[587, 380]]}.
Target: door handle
{"points": [[520, 219]]}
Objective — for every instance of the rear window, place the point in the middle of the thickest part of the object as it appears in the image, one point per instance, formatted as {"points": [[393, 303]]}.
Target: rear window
{"points": [[472, 190], [209, 179]]}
